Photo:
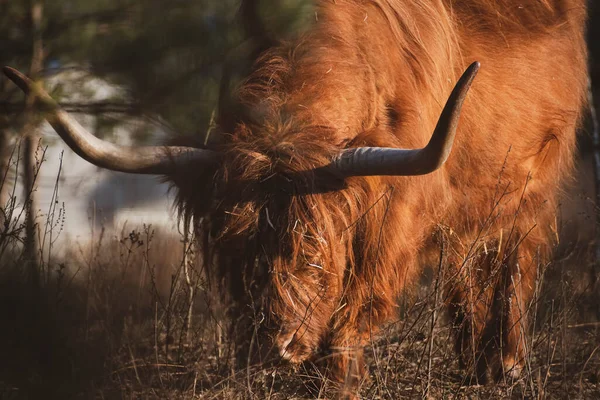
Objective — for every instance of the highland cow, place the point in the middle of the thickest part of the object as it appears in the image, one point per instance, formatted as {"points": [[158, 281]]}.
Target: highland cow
{"points": [[311, 211]]}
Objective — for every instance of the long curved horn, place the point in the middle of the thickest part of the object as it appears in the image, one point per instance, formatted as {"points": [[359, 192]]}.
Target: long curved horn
{"points": [[365, 161], [158, 160]]}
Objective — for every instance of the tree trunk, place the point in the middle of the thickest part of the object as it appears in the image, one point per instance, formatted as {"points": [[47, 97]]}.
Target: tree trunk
{"points": [[30, 143], [4, 184]]}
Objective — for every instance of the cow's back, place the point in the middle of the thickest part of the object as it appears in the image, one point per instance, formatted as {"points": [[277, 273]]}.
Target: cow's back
{"points": [[520, 123], [519, 120]]}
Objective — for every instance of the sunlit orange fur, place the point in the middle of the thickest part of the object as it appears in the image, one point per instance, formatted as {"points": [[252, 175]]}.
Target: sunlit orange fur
{"points": [[325, 260]]}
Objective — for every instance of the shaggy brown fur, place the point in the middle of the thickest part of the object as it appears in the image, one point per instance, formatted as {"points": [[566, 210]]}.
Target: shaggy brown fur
{"points": [[325, 259]]}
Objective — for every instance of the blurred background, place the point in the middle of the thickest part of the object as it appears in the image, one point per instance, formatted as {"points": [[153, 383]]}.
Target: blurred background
{"points": [[112, 278]]}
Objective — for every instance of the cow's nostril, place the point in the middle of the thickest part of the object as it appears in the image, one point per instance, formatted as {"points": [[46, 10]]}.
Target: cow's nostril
{"points": [[293, 348], [284, 352]]}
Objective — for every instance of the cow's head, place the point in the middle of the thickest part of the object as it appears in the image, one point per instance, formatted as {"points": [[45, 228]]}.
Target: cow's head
{"points": [[279, 218]]}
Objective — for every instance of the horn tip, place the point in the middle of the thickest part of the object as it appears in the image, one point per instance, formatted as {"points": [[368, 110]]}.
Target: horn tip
{"points": [[469, 75], [18, 78], [9, 71], [474, 67]]}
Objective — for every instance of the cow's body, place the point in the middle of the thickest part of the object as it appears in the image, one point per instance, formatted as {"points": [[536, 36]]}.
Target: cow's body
{"points": [[377, 73], [324, 258]]}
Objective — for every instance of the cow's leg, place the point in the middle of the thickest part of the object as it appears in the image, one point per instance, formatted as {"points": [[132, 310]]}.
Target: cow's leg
{"points": [[349, 334], [470, 297], [344, 360], [513, 297]]}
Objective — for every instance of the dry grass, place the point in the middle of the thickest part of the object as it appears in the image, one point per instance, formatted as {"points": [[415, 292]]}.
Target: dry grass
{"points": [[133, 316]]}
